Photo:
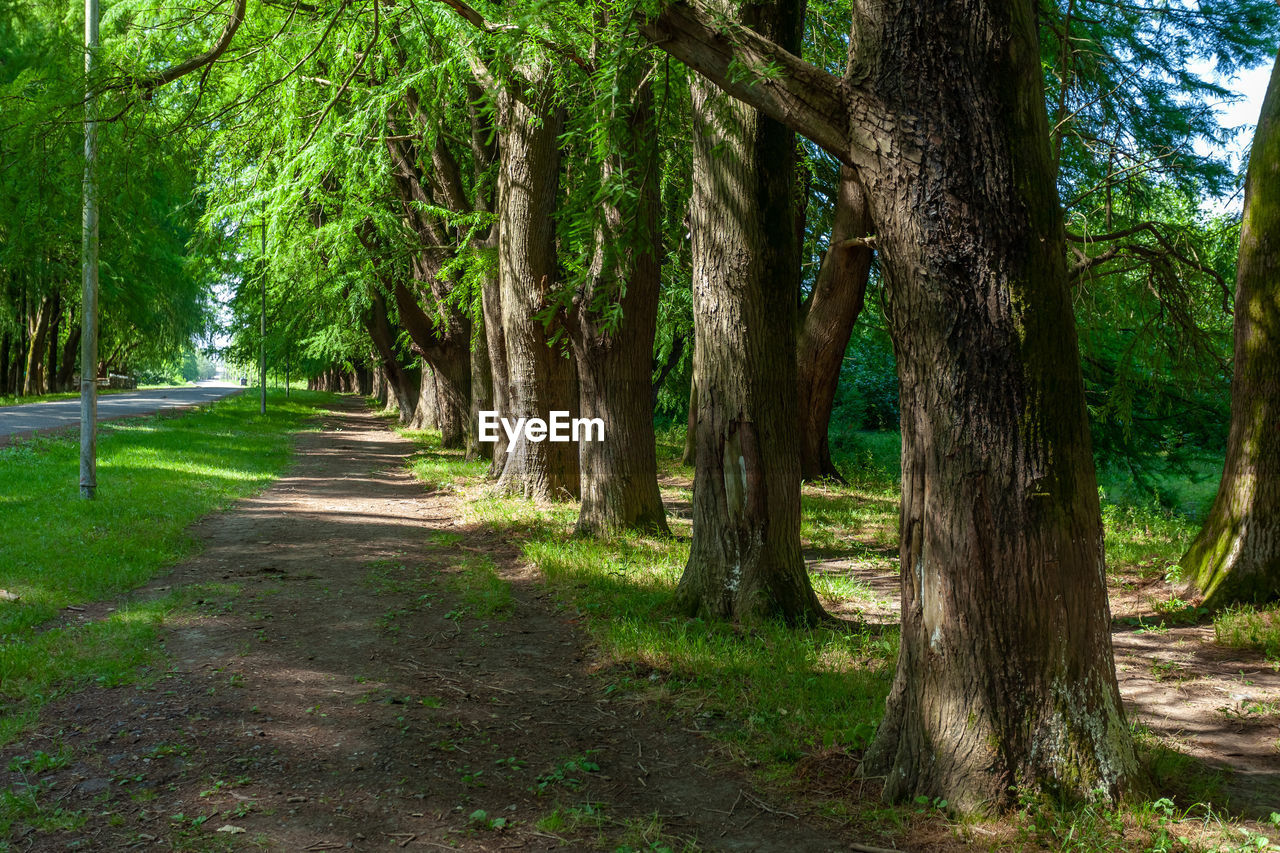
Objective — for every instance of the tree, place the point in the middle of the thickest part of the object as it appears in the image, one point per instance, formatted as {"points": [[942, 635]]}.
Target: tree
{"points": [[1236, 556], [1005, 676], [745, 562], [827, 322]]}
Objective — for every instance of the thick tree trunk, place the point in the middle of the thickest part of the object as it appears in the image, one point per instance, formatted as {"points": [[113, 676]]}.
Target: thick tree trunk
{"points": [[745, 562], [541, 378], [34, 383], [1005, 680], [448, 351], [426, 412], [1005, 677], [401, 384], [70, 349], [1236, 556], [827, 324], [620, 472]]}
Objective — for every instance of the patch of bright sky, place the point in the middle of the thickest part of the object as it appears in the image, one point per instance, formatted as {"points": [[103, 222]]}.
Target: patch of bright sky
{"points": [[1241, 116]]}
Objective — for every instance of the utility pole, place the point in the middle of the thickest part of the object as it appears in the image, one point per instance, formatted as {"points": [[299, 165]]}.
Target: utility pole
{"points": [[89, 259], [262, 341]]}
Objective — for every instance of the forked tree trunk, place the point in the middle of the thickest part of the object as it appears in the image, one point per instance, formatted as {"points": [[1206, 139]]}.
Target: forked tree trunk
{"points": [[827, 324], [620, 472], [34, 383], [541, 378], [1005, 680], [745, 562], [1236, 556]]}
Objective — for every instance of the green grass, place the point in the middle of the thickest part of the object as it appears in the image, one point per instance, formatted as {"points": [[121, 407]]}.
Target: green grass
{"points": [[19, 400], [784, 700], [1249, 627], [484, 594], [155, 476]]}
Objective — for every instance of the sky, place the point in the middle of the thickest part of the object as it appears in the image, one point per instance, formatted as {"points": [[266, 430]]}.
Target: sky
{"points": [[1242, 114]]}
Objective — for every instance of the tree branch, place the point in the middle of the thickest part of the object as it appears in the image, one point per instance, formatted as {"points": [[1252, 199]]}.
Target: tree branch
{"points": [[154, 81], [757, 72]]}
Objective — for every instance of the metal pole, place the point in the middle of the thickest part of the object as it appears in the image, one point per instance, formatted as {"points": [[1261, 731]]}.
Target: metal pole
{"points": [[89, 258], [262, 341]]}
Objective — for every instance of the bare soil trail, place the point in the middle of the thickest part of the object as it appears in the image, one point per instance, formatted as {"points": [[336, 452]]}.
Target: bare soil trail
{"points": [[331, 692]]}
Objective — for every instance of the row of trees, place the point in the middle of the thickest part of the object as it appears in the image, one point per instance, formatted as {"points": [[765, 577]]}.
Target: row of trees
{"points": [[533, 208], [155, 291]]}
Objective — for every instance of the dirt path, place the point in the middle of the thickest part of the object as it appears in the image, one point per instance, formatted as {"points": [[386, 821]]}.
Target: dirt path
{"points": [[339, 698]]}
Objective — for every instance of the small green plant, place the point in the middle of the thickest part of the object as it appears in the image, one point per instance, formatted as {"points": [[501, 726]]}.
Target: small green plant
{"points": [[568, 774], [480, 820], [1248, 627]]}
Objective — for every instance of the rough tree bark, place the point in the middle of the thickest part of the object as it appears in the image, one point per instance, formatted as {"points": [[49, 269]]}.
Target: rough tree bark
{"points": [[39, 330], [426, 412], [827, 323], [620, 473], [495, 338], [540, 378], [690, 453], [402, 388], [745, 562], [1005, 676], [1236, 556]]}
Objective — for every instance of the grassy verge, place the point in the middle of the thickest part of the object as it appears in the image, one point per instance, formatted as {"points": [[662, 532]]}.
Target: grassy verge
{"points": [[797, 706], [156, 475], [1248, 627], [18, 400]]}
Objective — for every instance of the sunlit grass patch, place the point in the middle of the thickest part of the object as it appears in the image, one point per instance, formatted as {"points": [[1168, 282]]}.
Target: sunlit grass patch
{"points": [[440, 470], [484, 594], [1249, 627], [1148, 539], [156, 476]]}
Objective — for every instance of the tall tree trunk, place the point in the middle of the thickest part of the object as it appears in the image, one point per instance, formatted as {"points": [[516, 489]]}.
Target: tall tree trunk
{"points": [[1005, 680], [496, 341], [402, 387], [541, 379], [827, 324], [1005, 673], [690, 454], [34, 383], [1236, 556], [70, 349], [620, 473], [426, 412], [448, 351], [745, 562], [481, 391], [55, 329]]}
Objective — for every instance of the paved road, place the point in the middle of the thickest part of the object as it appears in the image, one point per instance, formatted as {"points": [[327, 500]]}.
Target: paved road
{"points": [[64, 413]]}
